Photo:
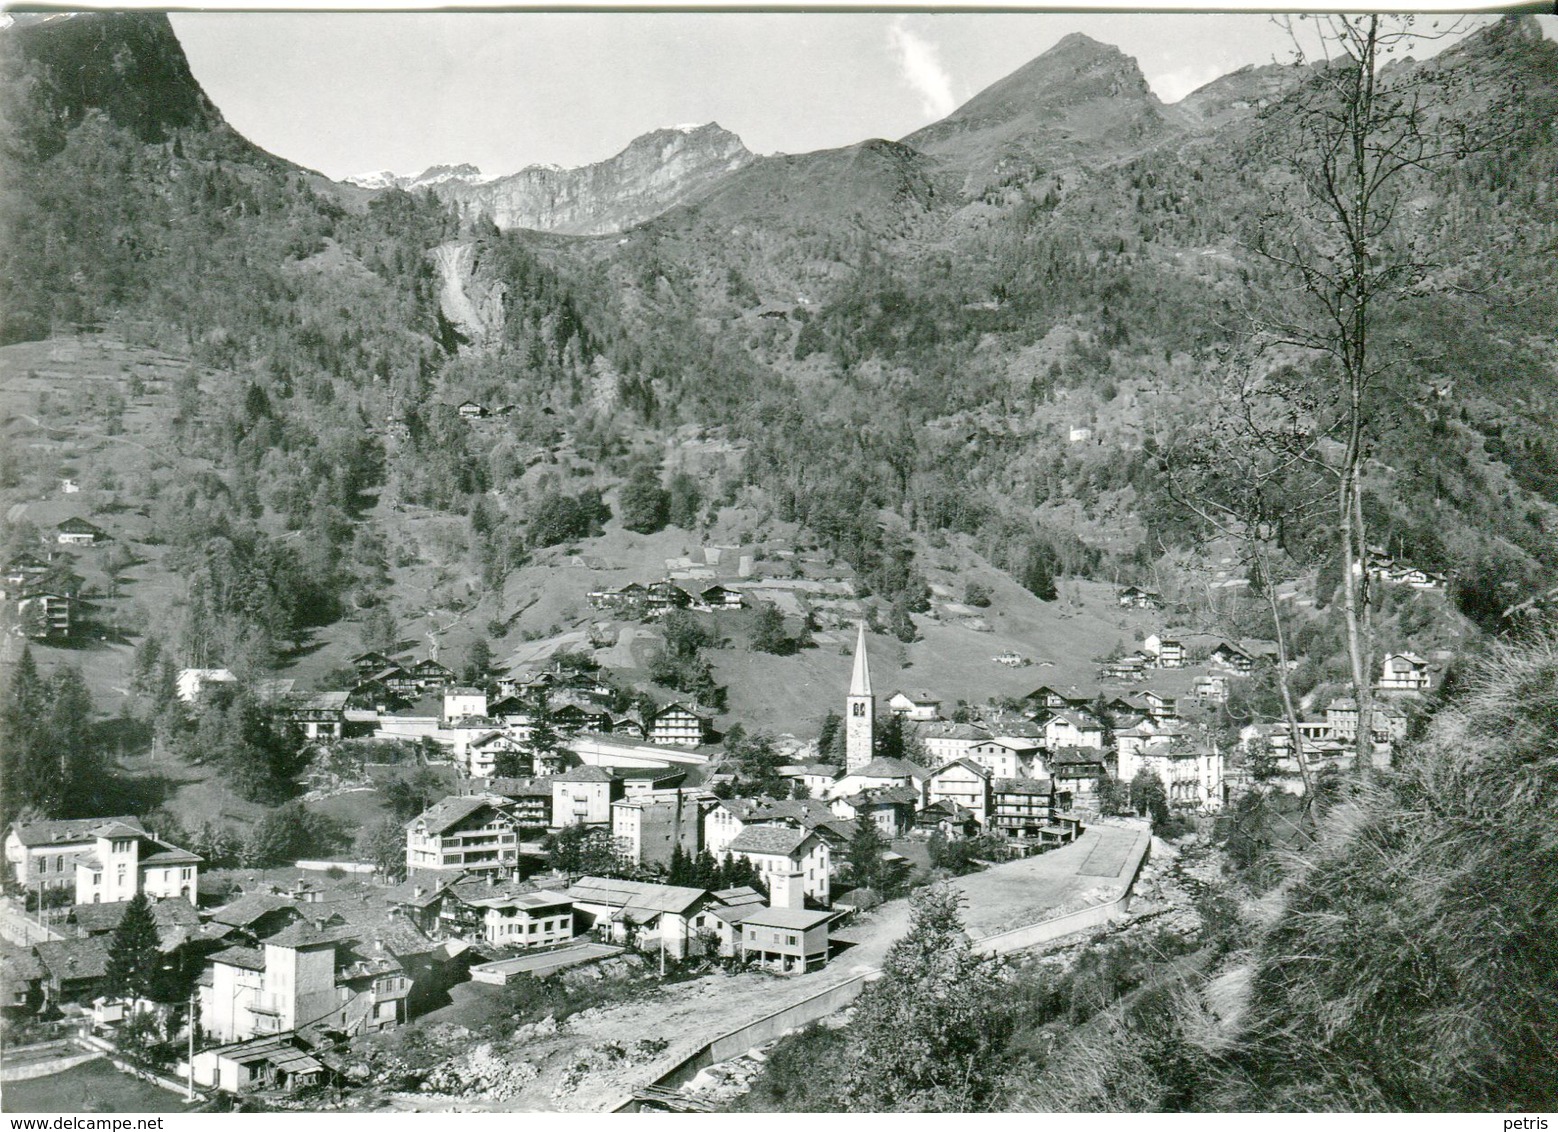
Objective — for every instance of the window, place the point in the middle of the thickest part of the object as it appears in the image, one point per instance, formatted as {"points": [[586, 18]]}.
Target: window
{"points": [[790, 939], [858, 710]]}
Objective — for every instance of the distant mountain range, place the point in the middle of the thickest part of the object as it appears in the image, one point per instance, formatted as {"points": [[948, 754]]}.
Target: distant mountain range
{"points": [[1079, 100], [1062, 252], [657, 171]]}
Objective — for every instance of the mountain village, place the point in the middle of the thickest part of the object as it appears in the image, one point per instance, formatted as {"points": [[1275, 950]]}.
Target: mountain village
{"points": [[294, 969]]}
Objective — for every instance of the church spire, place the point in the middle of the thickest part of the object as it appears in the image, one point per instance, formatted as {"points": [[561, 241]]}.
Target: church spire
{"points": [[860, 682]]}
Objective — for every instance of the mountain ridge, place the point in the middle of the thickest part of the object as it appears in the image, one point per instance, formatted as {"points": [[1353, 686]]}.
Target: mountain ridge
{"points": [[656, 171]]}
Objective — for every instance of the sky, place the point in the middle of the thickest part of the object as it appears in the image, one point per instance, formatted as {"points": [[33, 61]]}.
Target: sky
{"points": [[354, 92]]}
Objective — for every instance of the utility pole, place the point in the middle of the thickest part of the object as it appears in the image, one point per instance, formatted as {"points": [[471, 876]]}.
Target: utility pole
{"points": [[189, 1093]]}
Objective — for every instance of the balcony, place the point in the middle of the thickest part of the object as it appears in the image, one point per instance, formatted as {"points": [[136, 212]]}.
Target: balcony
{"points": [[266, 1003]]}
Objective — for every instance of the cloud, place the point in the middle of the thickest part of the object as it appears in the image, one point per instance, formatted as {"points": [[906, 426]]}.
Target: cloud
{"points": [[1174, 85], [918, 60]]}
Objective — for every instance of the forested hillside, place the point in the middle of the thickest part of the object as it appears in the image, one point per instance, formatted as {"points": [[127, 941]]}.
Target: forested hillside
{"points": [[1001, 326]]}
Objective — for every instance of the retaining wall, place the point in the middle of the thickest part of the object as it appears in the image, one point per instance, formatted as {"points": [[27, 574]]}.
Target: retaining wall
{"points": [[23, 1063]]}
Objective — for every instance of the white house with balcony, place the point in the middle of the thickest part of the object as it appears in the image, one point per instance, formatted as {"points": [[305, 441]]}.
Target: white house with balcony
{"points": [[1405, 672], [474, 833]]}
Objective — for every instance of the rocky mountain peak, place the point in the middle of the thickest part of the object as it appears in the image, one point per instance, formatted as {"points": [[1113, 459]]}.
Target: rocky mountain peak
{"points": [[655, 172], [1078, 96], [127, 65]]}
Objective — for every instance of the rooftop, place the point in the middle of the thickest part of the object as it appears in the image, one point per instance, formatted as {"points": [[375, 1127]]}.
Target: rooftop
{"points": [[889, 768], [67, 832], [249, 958], [1035, 786], [450, 812], [74, 958], [96, 919], [247, 910], [586, 773], [637, 894], [798, 919], [779, 839]]}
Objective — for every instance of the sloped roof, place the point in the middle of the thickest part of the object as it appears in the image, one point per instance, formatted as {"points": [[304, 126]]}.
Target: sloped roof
{"points": [[325, 701], [77, 525], [70, 831], [445, 815], [1076, 719], [796, 919], [247, 910], [782, 840], [19, 965], [966, 764], [521, 787], [544, 898], [950, 808], [740, 896], [300, 934], [74, 958], [1036, 786], [917, 698], [885, 796], [1015, 742], [169, 915], [637, 894], [166, 854], [586, 773], [406, 892], [1075, 756], [943, 729], [367, 918], [249, 958], [889, 768]]}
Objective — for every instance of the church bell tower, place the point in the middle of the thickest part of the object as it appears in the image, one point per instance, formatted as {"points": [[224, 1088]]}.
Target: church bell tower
{"points": [[860, 711]]}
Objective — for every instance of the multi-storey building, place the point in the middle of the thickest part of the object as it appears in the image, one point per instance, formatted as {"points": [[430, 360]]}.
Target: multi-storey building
{"points": [[42, 854], [780, 851], [678, 725], [125, 860], [967, 783], [471, 833], [649, 828], [583, 796]]}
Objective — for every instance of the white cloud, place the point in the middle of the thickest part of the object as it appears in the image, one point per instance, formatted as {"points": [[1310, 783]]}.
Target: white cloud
{"points": [[1174, 85], [921, 66]]}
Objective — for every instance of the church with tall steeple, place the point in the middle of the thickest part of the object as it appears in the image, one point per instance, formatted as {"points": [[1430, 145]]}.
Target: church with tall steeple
{"points": [[860, 711]]}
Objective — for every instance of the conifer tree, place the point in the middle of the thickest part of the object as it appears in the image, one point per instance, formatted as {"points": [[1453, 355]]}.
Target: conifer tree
{"points": [[865, 854], [680, 870], [20, 715], [134, 954]]}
